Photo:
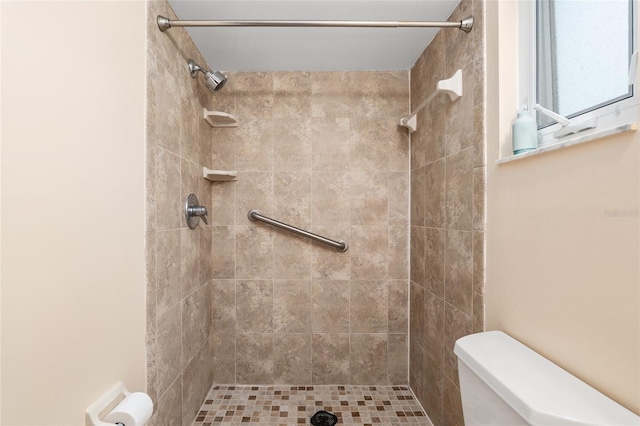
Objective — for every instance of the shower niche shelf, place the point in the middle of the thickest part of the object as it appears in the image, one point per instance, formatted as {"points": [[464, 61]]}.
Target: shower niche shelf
{"points": [[219, 119], [219, 175]]}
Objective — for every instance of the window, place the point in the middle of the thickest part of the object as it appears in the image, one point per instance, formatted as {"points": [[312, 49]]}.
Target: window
{"points": [[576, 59]]}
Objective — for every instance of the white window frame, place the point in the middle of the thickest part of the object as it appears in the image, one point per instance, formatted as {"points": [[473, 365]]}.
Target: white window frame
{"points": [[609, 117]]}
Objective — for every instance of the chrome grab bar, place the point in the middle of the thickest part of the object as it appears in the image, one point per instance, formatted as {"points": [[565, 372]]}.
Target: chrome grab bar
{"points": [[255, 215]]}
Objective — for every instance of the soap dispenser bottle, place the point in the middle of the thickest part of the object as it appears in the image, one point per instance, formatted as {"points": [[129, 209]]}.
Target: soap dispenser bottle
{"points": [[524, 132]]}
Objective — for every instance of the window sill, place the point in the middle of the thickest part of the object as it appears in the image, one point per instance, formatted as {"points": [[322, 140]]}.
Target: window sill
{"points": [[571, 141]]}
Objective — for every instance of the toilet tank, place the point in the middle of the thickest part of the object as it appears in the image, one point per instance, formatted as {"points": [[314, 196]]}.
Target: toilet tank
{"points": [[504, 382]]}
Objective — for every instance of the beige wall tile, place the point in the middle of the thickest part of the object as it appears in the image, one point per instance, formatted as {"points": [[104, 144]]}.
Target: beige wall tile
{"points": [[478, 198], [291, 256], [151, 208], [433, 393], [434, 258], [478, 312], [223, 252], [397, 93], [459, 269], [478, 262], [397, 348], [276, 177], [254, 94], [478, 11], [151, 335], [367, 94], [151, 255], [417, 255], [169, 407], [254, 190], [459, 44], [328, 263], [398, 147], [479, 135], [369, 307], [368, 143], [223, 200], [368, 247], [435, 194], [169, 277], [196, 382], [450, 141], [255, 312], [223, 305], [254, 145], [292, 145], [457, 324], [292, 198], [291, 306], [452, 406], [168, 190], [459, 190], [330, 94], [254, 358], [190, 263], [223, 148], [165, 98], [437, 130], [330, 307], [419, 139], [417, 315], [196, 322], [434, 324], [399, 187], [398, 250], [330, 143], [292, 359], [460, 117], [418, 192], [169, 348], [330, 203], [204, 253], [330, 363], [398, 309], [190, 113], [224, 358], [416, 369], [369, 198], [368, 359], [254, 252], [292, 94]]}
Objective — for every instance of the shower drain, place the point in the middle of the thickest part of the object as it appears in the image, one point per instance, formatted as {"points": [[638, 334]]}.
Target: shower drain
{"points": [[324, 418]]}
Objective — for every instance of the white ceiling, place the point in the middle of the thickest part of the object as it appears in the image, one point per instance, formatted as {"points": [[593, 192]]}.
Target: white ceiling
{"points": [[312, 49]]}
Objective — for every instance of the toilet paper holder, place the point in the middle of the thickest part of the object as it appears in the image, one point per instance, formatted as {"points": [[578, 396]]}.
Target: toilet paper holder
{"points": [[105, 405]]}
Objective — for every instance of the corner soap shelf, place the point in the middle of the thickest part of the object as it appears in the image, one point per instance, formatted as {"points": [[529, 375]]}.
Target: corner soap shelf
{"points": [[219, 175], [219, 119]]}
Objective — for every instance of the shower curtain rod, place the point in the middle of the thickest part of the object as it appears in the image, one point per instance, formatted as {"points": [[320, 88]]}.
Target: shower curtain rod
{"points": [[465, 25]]}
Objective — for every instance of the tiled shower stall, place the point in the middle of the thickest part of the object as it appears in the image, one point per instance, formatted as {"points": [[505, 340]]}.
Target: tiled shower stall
{"points": [[236, 302]]}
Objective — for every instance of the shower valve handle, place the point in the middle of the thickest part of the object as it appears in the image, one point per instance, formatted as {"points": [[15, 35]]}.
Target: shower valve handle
{"points": [[200, 211], [194, 211]]}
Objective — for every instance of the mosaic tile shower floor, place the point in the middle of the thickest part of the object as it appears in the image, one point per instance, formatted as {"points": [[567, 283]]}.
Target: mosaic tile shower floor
{"points": [[294, 405]]}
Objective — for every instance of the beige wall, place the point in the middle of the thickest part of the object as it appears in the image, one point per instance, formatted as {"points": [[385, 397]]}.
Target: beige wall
{"points": [[322, 151], [447, 214], [179, 349], [73, 295], [563, 240]]}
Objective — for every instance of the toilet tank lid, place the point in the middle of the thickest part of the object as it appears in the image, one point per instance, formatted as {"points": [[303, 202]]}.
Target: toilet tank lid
{"points": [[537, 389]]}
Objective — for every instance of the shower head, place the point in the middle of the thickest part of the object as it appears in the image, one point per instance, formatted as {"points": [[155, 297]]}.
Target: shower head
{"points": [[214, 80]]}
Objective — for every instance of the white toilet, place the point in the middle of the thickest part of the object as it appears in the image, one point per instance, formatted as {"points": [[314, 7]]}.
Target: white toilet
{"points": [[505, 383]]}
